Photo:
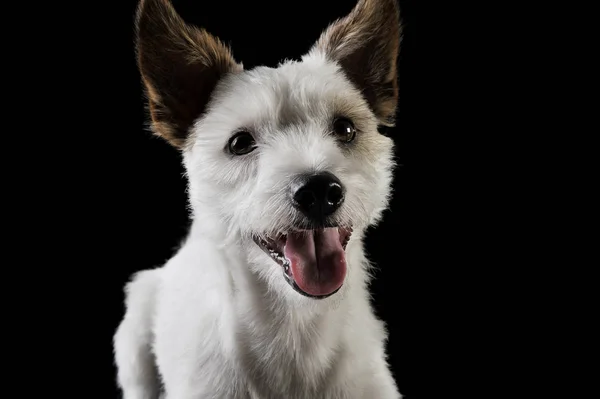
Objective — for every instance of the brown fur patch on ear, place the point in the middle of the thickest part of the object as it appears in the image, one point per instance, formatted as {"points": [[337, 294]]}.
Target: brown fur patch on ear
{"points": [[180, 67], [366, 43]]}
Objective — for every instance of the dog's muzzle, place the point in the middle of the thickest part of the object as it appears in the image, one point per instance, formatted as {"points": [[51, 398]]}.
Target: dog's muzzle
{"points": [[313, 256]]}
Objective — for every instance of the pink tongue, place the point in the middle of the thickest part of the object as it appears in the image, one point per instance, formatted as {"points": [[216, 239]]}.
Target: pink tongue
{"points": [[317, 259]]}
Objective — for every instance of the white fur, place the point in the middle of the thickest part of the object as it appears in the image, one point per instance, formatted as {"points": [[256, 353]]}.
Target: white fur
{"points": [[219, 321]]}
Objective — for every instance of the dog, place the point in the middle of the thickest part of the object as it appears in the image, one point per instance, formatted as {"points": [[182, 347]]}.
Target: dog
{"points": [[267, 297]]}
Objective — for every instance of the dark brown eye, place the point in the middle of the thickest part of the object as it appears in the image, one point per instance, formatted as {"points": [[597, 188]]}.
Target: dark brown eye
{"points": [[344, 129], [242, 143]]}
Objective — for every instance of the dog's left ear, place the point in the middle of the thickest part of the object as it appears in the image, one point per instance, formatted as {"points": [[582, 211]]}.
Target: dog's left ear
{"points": [[365, 43]]}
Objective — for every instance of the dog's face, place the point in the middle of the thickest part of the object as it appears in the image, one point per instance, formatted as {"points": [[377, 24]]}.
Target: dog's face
{"points": [[288, 159]]}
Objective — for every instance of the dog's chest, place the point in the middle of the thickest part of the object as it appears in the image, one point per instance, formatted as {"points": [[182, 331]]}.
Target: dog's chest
{"points": [[288, 359]]}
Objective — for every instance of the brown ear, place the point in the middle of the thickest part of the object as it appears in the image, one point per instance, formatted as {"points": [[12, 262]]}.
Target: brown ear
{"points": [[366, 43], [180, 66]]}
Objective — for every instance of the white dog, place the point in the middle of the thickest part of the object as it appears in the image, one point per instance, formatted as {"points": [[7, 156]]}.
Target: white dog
{"points": [[268, 295]]}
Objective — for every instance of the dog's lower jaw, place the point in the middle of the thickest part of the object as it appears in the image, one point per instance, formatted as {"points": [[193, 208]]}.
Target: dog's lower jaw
{"points": [[320, 267]]}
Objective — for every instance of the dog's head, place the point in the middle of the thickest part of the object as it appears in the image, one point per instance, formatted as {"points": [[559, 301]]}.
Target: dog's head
{"points": [[288, 159]]}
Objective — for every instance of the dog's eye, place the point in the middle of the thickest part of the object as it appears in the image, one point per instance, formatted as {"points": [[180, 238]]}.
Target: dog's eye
{"points": [[344, 129], [242, 143]]}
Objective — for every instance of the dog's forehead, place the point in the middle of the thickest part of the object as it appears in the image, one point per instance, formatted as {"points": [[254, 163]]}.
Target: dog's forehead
{"points": [[294, 92]]}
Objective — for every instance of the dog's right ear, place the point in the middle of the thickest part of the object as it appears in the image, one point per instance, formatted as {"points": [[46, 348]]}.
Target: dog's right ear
{"points": [[180, 67]]}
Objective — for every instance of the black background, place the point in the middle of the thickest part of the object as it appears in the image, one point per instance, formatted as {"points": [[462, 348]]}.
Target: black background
{"points": [[101, 198], [147, 188]]}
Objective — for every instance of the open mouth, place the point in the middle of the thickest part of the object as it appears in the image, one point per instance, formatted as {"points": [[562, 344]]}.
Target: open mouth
{"points": [[313, 261]]}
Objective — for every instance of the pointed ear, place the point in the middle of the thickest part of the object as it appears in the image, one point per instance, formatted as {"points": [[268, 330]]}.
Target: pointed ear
{"points": [[180, 67], [365, 43]]}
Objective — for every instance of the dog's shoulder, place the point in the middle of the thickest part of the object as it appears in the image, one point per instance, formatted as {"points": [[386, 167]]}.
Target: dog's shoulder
{"points": [[200, 265]]}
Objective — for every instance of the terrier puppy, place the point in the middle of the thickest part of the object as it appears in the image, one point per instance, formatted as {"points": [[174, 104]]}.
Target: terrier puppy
{"points": [[267, 298]]}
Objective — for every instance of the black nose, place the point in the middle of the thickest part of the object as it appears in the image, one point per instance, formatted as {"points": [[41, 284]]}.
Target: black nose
{"points": [[318, 196]]}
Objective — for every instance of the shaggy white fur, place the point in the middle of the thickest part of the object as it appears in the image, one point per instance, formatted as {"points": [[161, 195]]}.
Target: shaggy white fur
{"points": [[219, 320]]}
